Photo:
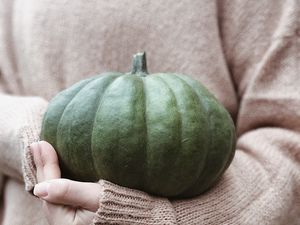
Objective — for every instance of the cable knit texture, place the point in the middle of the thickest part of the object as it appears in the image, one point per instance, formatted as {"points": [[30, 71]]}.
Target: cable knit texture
{"points": [[246, 52]]}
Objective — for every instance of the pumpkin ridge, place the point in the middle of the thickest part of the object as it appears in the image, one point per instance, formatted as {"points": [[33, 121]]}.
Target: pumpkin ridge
{"points": [[178, 113], [118, 136], [146, 133], [214, 107], [99, 105], [78, 127], [206, 107], [176, 101], [162, 138], [197, 109], [57, 136], [77, 85], [140, 79], [204, 103]]}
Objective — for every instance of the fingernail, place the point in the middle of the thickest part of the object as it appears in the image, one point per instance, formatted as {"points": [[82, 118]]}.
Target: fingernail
{"points": [[34, 145], [41, 189]]}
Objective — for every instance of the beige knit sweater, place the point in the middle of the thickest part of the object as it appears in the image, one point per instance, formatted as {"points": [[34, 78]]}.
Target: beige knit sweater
{"points": [[246, 52]]}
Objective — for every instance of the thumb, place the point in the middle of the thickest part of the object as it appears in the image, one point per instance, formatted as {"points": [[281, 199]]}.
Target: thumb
{"points": [[46, 161], [68, 192]]}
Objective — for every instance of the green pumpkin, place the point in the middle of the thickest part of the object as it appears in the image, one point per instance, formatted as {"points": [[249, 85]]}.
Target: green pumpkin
{"points": [[163, 133]]}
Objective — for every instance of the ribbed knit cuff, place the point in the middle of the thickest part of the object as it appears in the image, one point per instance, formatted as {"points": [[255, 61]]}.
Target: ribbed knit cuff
{"points": [[28, 167], [29, 133], [121, 205]]}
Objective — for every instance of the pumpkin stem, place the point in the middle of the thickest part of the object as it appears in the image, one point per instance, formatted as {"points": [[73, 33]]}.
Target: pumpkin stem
{"points": [[139, 64]]}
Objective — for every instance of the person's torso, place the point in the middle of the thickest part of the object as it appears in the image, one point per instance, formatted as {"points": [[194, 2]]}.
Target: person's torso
{"points": [[50, 45]]}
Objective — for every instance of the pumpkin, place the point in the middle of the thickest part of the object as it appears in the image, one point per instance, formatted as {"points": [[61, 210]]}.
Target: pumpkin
{"points": [[163, 133]]}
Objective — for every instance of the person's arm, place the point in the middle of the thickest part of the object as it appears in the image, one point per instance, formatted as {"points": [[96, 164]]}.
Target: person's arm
{"points": [[20, 121], [20, 116]]}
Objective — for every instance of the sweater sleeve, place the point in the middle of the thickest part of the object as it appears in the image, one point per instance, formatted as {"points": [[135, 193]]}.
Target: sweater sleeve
{"points": [[20, 121], [121, 205], [262, 186]]}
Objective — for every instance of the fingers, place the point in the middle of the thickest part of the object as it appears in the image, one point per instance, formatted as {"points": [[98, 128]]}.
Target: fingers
{"points": [[46, 161], [68, 192], [60, 192]]}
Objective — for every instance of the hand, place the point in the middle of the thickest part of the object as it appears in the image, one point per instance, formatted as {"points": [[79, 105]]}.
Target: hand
{"points": [[64, 201]]}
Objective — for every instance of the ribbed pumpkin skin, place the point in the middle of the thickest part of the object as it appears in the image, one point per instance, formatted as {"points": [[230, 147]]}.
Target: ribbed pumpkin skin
{"points": [[162, 133]]}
